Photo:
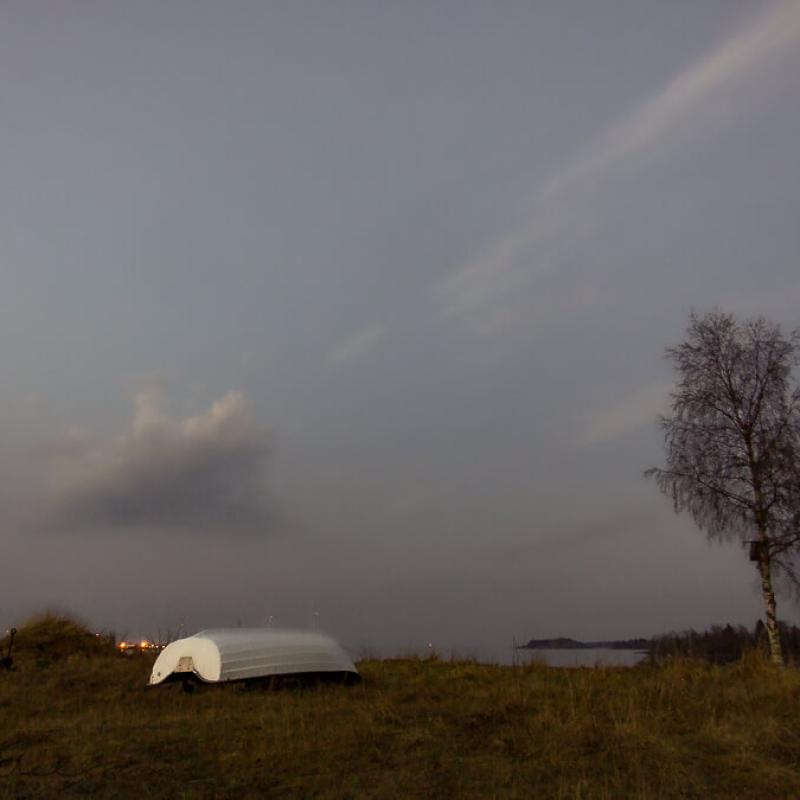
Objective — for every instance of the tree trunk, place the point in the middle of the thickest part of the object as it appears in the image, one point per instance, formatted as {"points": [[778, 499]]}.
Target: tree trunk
{"points": [[767, 593]]}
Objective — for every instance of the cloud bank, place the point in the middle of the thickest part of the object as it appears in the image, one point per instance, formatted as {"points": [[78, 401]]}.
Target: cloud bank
{"points": [[200, 473], [569, 204]]}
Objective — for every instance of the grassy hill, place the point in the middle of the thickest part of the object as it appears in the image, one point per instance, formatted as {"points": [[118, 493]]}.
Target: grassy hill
{"points": [[77, 719]]}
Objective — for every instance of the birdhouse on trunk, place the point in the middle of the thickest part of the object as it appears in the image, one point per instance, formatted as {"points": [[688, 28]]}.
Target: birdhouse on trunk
{"points": [[756, 548]]}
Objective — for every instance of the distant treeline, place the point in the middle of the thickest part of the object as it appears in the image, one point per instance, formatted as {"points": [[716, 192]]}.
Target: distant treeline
{"points": [[723, 644], [563, 643]]}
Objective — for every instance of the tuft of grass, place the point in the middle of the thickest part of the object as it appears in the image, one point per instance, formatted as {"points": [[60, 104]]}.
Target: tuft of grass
{"points": [[418, 727], [53, 636]]}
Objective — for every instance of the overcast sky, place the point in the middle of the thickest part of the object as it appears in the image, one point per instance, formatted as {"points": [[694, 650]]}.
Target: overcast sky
{"points": [[360, 308]]}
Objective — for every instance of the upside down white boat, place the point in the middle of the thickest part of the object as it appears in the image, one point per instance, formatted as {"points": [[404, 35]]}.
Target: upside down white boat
{"points": [[241, 654]]}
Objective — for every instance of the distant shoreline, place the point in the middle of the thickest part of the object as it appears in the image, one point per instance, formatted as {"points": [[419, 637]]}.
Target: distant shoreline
{"points": [[562, 643]]}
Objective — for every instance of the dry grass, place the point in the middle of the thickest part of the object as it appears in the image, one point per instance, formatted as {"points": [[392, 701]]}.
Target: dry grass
{"points": [[86, 724]]}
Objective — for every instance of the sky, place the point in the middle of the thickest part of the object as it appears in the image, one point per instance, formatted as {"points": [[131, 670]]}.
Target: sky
{"points": [[353, 314]]}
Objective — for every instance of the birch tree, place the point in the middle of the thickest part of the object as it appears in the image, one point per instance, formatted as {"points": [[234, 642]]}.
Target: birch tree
{"points": [[733, 442]]}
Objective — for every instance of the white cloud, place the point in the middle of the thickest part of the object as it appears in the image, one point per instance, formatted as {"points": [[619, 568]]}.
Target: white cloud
{"points": [[568, 205], [358, 345], [629, 413], [202, 472]]}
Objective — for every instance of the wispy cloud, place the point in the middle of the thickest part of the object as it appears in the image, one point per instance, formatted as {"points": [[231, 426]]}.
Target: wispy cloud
{"points": [[358, 345], [568, 205], [628, 413]]}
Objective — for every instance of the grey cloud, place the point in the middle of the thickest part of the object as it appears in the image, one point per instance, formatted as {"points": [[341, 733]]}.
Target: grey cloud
{"points": [[628, 413], [202, 472]]}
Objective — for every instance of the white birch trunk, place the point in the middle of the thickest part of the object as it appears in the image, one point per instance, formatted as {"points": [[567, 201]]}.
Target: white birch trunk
{"points": [[768, 595]]}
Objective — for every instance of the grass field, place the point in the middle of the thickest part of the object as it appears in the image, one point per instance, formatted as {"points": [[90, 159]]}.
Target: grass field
{"points": [[76, 719]]}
